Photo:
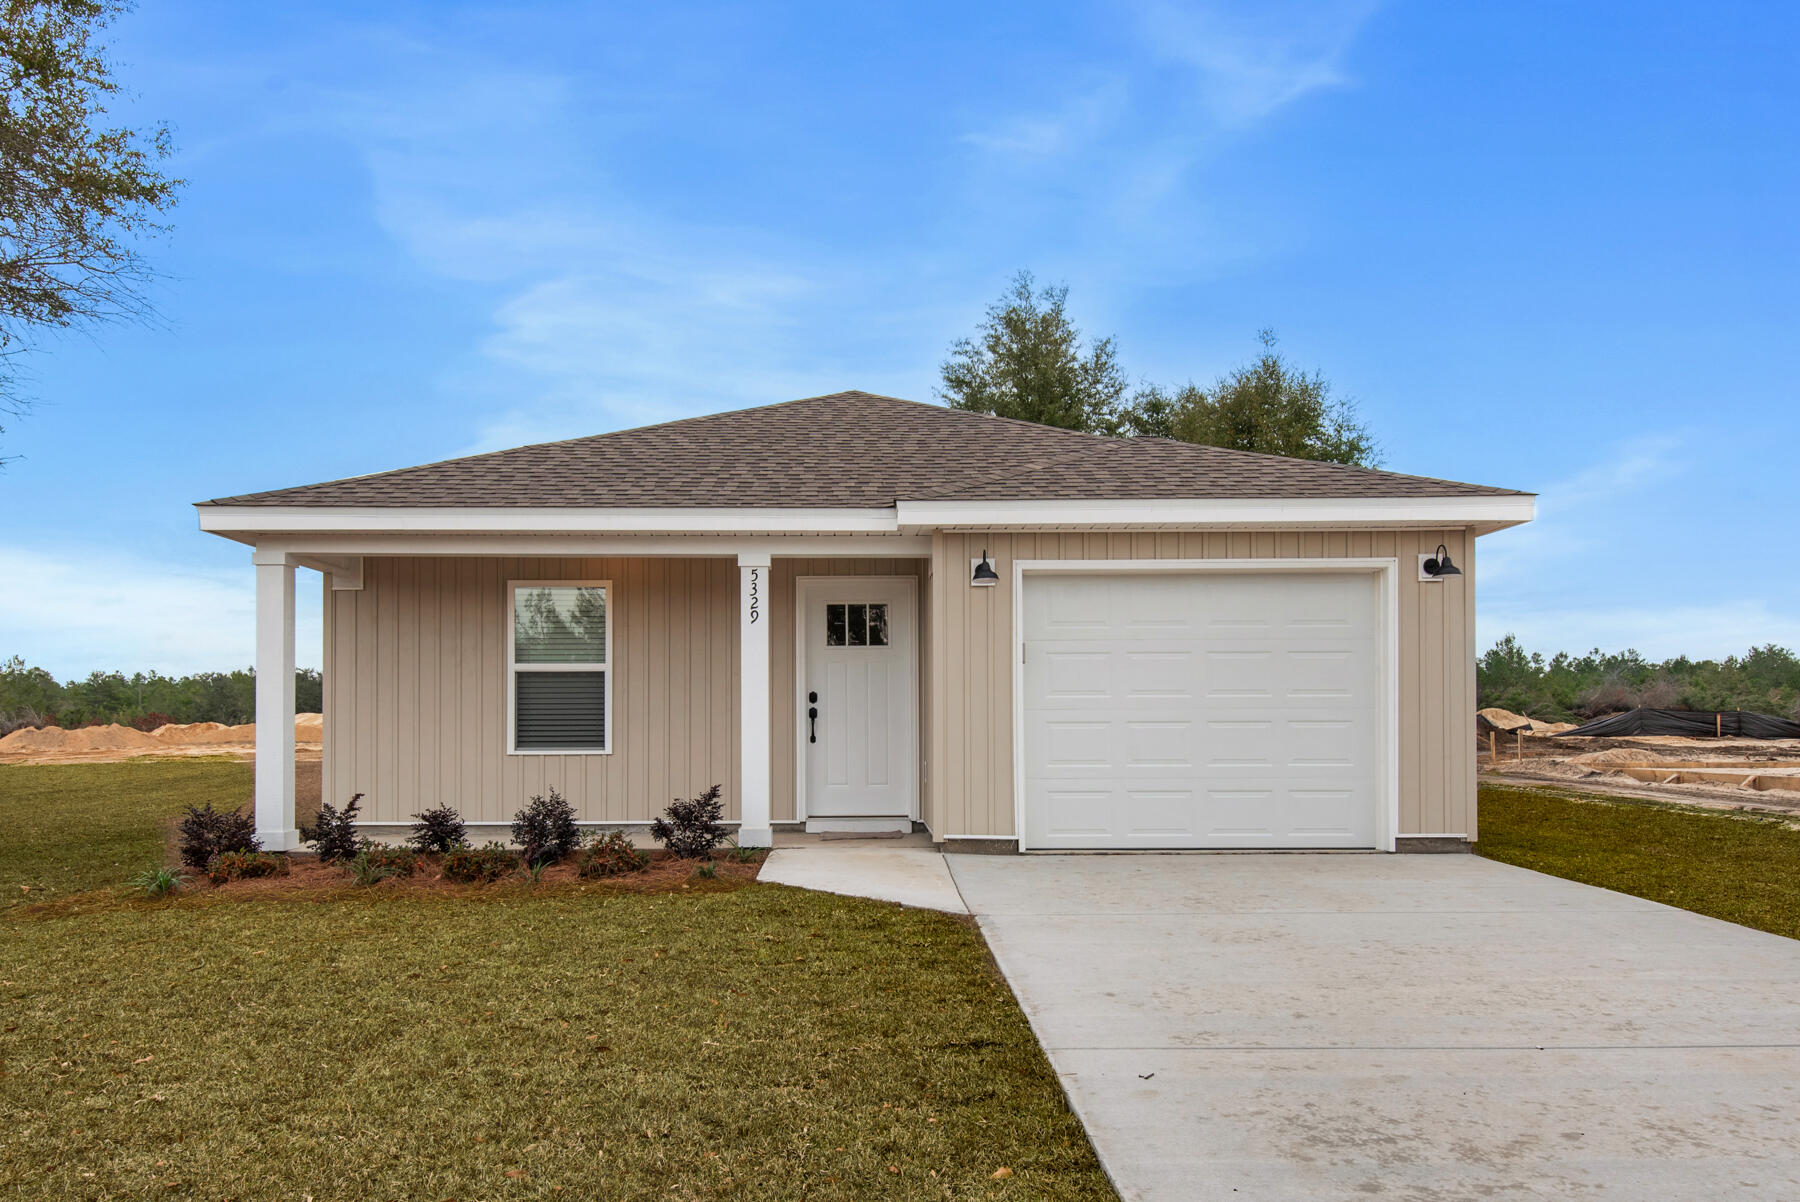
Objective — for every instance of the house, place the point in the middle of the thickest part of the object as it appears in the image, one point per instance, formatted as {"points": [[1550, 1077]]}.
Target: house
{"points": [[859, 613]]}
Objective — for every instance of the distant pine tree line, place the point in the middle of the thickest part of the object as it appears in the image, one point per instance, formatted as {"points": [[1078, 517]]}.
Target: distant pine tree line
{"points": [[33, 697], [1568, 688]]}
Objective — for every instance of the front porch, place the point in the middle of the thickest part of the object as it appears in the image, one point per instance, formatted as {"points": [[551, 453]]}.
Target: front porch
{"points": [[756, 664]]}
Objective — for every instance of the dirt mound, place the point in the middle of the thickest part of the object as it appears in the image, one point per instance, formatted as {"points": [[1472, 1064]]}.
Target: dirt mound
{"points": [[1551, 728], [1620, 755], [82, 738], [1505, 721], [309, 728], [185, 732], [217, 733]]}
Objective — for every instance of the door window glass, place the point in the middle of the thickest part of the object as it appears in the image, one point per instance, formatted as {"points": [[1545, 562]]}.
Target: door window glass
{"points": [[856, 625]]}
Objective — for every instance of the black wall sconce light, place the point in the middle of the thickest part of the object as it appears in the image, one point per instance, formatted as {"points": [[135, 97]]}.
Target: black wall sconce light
{"points": [[982, 574], [1439, 565]]}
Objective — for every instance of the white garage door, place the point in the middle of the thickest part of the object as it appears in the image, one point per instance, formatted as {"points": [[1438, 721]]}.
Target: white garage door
{"points": [[1201, 709]]}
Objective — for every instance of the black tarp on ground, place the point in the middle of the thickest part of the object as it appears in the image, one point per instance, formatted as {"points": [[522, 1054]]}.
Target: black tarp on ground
{"points": [[1695, 724]]}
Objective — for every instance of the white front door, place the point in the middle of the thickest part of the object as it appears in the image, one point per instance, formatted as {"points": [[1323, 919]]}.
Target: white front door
{"points": [[858, 706], [1211, 709]]}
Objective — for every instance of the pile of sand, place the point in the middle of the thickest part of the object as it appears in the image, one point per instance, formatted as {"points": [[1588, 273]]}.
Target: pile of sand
{"points": [[1635, 756], [1507, 722], [173, 737], [186, 732], [206, 734], [83, 738], [1501, 720]]}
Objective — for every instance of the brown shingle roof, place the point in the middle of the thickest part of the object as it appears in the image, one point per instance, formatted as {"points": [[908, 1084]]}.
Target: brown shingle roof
{"points": [[851, 450]]}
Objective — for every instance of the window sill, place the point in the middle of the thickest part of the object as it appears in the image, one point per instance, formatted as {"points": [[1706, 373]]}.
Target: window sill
{"points": [[552, 751]]}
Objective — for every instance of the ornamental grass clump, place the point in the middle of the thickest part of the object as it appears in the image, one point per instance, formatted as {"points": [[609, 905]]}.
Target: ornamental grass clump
{"points": [[158, 882], [610, 854], [544, 831], [692, 829], [206, 832]]}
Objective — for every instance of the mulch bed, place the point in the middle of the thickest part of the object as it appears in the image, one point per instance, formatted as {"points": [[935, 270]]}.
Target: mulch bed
{"points": [[306, 875]]}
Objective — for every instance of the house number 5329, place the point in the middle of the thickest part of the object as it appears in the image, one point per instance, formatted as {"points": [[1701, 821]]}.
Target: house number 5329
{"points": [[755, 595]]}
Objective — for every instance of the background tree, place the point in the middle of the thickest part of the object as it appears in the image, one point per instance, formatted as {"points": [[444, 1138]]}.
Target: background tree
{"points": [[1266, 406], [1567, 687], [31, 696], [1027, 362], [76, 190]]}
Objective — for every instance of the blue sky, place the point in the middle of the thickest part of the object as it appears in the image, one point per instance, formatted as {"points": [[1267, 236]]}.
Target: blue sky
{"points": [[1545, 246]]}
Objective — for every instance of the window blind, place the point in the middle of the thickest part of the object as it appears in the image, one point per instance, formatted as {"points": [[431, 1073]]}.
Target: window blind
{"points": [[558, 711]]}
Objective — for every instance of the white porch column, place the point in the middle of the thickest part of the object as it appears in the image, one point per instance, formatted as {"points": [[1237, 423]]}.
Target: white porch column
{"points": [[754, 829], [275, 701]]}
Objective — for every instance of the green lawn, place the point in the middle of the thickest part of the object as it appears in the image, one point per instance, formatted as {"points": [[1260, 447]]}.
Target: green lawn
{"points": [[753, 1043], [1736, 867], [69, 828]]}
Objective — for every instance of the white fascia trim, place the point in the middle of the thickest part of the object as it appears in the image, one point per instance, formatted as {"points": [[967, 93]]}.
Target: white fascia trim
{"points": [[317, 546], [1274, 511], [298, 519]]}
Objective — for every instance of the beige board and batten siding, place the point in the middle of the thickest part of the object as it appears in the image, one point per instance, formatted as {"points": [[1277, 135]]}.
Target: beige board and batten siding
{"points": [[970, 742], [784, 690], [415, 678]]}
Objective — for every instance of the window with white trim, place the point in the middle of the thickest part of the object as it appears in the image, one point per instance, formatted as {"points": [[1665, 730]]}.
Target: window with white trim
{"points": [[559, 668]]}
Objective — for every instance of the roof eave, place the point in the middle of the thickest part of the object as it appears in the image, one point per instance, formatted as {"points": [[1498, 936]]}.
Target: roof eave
{"points": [[248, 523], [1484, 512]]}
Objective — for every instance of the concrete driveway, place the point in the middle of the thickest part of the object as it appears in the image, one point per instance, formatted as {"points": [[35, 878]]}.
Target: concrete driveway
{"points": [[1263, 1027]]}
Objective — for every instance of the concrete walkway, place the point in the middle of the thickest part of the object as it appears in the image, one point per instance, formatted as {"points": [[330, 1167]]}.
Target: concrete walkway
{"points": [[1401, 1027], [910, 876]]}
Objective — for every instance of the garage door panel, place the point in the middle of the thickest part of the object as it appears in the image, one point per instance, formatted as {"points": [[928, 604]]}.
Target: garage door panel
{"points": [[1158, 813], [1159, 745], [1075, 744], [1201, 710], [1157, 675], [1081, 609], [1076, 676], [1320, 811], [1077, 814], [1325, 744]]}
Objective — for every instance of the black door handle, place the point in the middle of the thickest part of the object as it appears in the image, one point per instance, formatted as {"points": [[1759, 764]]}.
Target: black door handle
{"points": [[812, 716]]}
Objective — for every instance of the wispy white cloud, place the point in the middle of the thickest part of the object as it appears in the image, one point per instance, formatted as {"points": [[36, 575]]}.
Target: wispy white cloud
{"points": [[1233, 67], [1582, 512], [100, 609], [606, 313], [1073, 125], [1598, 568], [1247, 62]]}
